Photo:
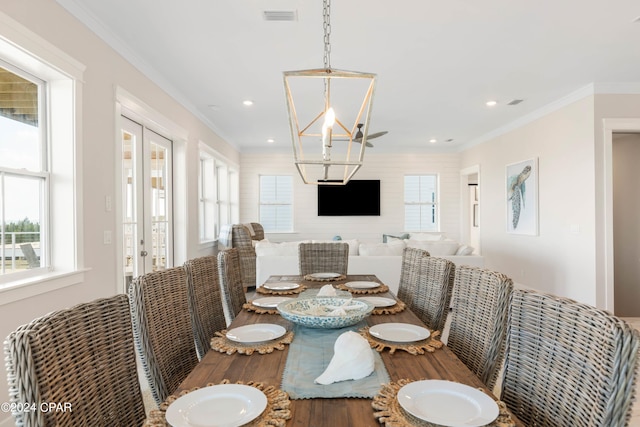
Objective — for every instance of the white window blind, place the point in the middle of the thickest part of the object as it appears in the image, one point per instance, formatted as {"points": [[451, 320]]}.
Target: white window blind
{"points": [[421, 203], [276, 203]]}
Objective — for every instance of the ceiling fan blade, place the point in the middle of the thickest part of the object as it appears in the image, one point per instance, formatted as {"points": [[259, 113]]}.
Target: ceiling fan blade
{"points": [[377, 134], [371, 136], [359, 141]]}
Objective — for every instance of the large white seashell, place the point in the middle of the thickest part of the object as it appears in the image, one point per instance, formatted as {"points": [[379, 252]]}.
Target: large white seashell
{"points": [[352, 360], [327, 291]]}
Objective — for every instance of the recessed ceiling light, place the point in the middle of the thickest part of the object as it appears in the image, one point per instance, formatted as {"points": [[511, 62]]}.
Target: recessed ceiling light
{"points": [[271, 140], [491, 103], [248, 102], [448, 140], [433, 140]]}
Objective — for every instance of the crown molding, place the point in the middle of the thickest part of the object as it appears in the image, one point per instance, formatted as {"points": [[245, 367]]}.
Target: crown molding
{"points": [[80, 12]]}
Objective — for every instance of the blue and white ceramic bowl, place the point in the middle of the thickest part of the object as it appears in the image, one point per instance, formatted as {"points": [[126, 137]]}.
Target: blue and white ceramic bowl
{"points": [[324, 312]]}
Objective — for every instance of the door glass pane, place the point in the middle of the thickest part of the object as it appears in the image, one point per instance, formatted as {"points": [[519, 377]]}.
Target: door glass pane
{"points": [[129, 213], [159, 205]]}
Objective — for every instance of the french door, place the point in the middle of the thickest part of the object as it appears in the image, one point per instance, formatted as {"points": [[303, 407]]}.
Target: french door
{"points": [[146, 200]]}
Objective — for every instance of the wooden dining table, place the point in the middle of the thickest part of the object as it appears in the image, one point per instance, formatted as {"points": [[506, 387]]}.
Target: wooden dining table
{"points": [[352, 412]]}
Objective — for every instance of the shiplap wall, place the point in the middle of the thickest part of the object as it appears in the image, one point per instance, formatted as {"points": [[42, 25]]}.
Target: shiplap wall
{"points": [[390, 169]]}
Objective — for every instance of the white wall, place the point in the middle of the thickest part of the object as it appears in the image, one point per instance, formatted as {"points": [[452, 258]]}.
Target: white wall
{"points": [[105, 71], [561, 259], [388, 168]]}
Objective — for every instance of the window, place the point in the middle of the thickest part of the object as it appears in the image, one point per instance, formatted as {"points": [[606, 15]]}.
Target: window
{"points": [[23, 172], [276, 203], [218, 191], [40, 197], [207, 198], [421, 203]]}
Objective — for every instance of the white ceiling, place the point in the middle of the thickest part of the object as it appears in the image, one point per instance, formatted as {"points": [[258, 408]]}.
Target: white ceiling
{"points": [[437, 62]]}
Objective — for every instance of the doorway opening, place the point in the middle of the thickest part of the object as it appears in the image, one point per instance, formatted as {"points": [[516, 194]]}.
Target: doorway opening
{"points": [[470, 207]]}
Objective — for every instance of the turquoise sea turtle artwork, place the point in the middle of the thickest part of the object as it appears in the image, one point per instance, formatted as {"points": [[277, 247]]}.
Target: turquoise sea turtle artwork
{"points": [[516, 187]]}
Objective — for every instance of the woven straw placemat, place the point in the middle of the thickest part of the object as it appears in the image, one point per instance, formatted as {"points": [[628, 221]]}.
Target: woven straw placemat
{"points": [[313, 278], [390, 413], [276, 413], [222, 344], [429, 345], [264, 291], [380, 289], [397, 308], [260, 310]]}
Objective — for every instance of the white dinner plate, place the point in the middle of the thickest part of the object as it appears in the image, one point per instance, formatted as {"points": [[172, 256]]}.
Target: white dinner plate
{"points": [[281, 286], [325, 275], [362, 285], [380, 301], [228, 405], [448, 403], [399, 332], [269, 301], [256, 333]]}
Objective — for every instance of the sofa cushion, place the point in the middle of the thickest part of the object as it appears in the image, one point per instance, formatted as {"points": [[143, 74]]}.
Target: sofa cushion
{"points": [[382, 249], [435, 248], [464, 250], [353, 244], [426, 236], [265, 248]]}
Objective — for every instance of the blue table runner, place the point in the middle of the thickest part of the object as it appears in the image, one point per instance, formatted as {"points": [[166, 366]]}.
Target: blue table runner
{"points": [[310, 354]]}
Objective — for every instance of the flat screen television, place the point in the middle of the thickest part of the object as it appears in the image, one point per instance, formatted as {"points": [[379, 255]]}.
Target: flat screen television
{"points": [[356, 198]]}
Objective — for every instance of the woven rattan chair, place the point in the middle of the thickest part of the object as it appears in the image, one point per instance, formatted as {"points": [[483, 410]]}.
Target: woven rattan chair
{"points": [[432, 296], [409, 274], [82, 356], [233, 295], [205, 301], [323, 258], [242, 237], [162, 329], [568, 364], [480, 305]]}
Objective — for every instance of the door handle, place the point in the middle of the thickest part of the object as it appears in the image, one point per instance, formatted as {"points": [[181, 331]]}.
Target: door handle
{"points": [[144, 253]]}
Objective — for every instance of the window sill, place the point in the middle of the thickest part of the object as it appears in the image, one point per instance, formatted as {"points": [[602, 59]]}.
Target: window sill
{"points": [[32, 286]]}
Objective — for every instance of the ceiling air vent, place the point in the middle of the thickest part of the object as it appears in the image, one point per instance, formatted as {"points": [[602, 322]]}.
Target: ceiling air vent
{"points": [[280, 15], [515, 101]]}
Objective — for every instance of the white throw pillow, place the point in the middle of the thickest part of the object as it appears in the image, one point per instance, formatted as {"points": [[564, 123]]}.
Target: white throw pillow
{"points": [[394, 248], [353, 244], [435, 248], [254, 243], [464, 250], [266, 248], [426, 237]]}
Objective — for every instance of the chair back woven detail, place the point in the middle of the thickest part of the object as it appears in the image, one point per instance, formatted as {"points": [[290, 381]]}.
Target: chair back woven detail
{"points": [[432, 296], [83, 355], [233, 295], [568, 363], [205, 301], [242, 237], [480, 306], [162, 329], [325, 257], [409, 274]]}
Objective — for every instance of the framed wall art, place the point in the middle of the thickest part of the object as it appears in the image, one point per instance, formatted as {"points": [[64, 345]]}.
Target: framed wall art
{"points": [[522, 197]]}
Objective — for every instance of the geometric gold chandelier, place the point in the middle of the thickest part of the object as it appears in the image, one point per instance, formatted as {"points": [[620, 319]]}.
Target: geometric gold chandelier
{"points": [[329, 112]]}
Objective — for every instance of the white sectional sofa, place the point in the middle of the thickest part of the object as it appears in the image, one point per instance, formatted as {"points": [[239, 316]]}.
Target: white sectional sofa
{"points": [[382, 259]]}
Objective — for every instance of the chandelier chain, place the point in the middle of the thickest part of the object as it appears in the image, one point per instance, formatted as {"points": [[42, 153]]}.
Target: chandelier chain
{"points": [[326, 14]]}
